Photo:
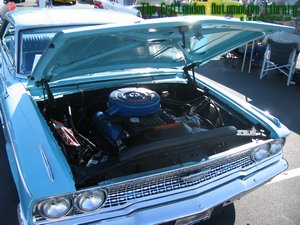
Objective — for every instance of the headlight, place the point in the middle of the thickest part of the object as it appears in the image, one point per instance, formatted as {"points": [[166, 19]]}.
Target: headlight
{"points": [[276, 146], [260, 153], [90, 200], [55, 207]]}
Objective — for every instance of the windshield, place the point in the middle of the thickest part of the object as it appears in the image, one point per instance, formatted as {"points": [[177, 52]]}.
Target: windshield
{"points": [[32, 47], [33, 43]]}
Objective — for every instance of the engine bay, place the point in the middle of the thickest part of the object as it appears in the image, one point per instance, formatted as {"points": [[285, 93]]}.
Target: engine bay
{"points": [[116, 132]]}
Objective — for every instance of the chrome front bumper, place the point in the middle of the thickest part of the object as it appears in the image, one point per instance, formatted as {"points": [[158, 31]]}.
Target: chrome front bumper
{"points": [[175, 205], [21, 217]]}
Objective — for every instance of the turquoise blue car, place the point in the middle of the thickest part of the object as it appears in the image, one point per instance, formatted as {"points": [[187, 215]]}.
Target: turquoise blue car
{"points": [[111, 124]]}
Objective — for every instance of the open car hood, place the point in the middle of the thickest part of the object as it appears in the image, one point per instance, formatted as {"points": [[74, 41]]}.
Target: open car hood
{"points": [[157, 43]]}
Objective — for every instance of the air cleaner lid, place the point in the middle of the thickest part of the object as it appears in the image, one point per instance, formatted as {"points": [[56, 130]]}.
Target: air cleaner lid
{"points": [[128, 102]]}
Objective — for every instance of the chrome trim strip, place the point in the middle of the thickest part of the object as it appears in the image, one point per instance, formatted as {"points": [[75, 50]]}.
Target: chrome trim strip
{"points": [[46, 162], [195, 176]]}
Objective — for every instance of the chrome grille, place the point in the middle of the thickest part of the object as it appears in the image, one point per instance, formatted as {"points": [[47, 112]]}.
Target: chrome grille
{"points": [[121, 194]]}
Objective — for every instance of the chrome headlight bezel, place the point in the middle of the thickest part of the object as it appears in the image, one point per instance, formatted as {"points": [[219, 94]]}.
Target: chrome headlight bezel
{"points": [[267, 149], [261, 152], [277, 146], [80, 204], [51, 202], [73, 200]]}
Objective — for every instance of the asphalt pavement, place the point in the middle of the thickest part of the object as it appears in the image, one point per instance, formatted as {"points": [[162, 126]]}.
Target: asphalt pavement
{"points": [[276, 203]]}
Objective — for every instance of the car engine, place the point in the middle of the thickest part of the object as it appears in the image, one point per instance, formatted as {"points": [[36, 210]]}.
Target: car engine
{"points": [[110, 133], [135, 117]]}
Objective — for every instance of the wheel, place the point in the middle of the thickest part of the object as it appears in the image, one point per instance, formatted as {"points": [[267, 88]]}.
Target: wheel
{"points": [[222, 215]]}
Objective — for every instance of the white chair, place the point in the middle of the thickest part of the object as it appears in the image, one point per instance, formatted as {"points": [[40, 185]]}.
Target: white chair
{"points": [[281, 57]]}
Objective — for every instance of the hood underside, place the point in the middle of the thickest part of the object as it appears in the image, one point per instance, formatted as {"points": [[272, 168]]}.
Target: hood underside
{"points": [[157, 43]]}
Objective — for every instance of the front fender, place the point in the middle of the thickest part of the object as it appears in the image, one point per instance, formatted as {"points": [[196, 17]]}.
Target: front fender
{"points": [[38, 166], [252, 113]]}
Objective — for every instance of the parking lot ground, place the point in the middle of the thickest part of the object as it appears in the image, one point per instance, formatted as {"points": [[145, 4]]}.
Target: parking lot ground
{"points": [[278, 202], [8, 194]]}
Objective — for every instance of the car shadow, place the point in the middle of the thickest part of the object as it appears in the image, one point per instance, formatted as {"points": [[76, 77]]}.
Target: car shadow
{"points": [[8, 197], [269, 94], [226, 217]]}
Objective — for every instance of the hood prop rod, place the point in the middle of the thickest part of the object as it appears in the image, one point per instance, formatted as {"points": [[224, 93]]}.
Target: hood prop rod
{"points": [[186, 69], [49, 93], [50, 105]]}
